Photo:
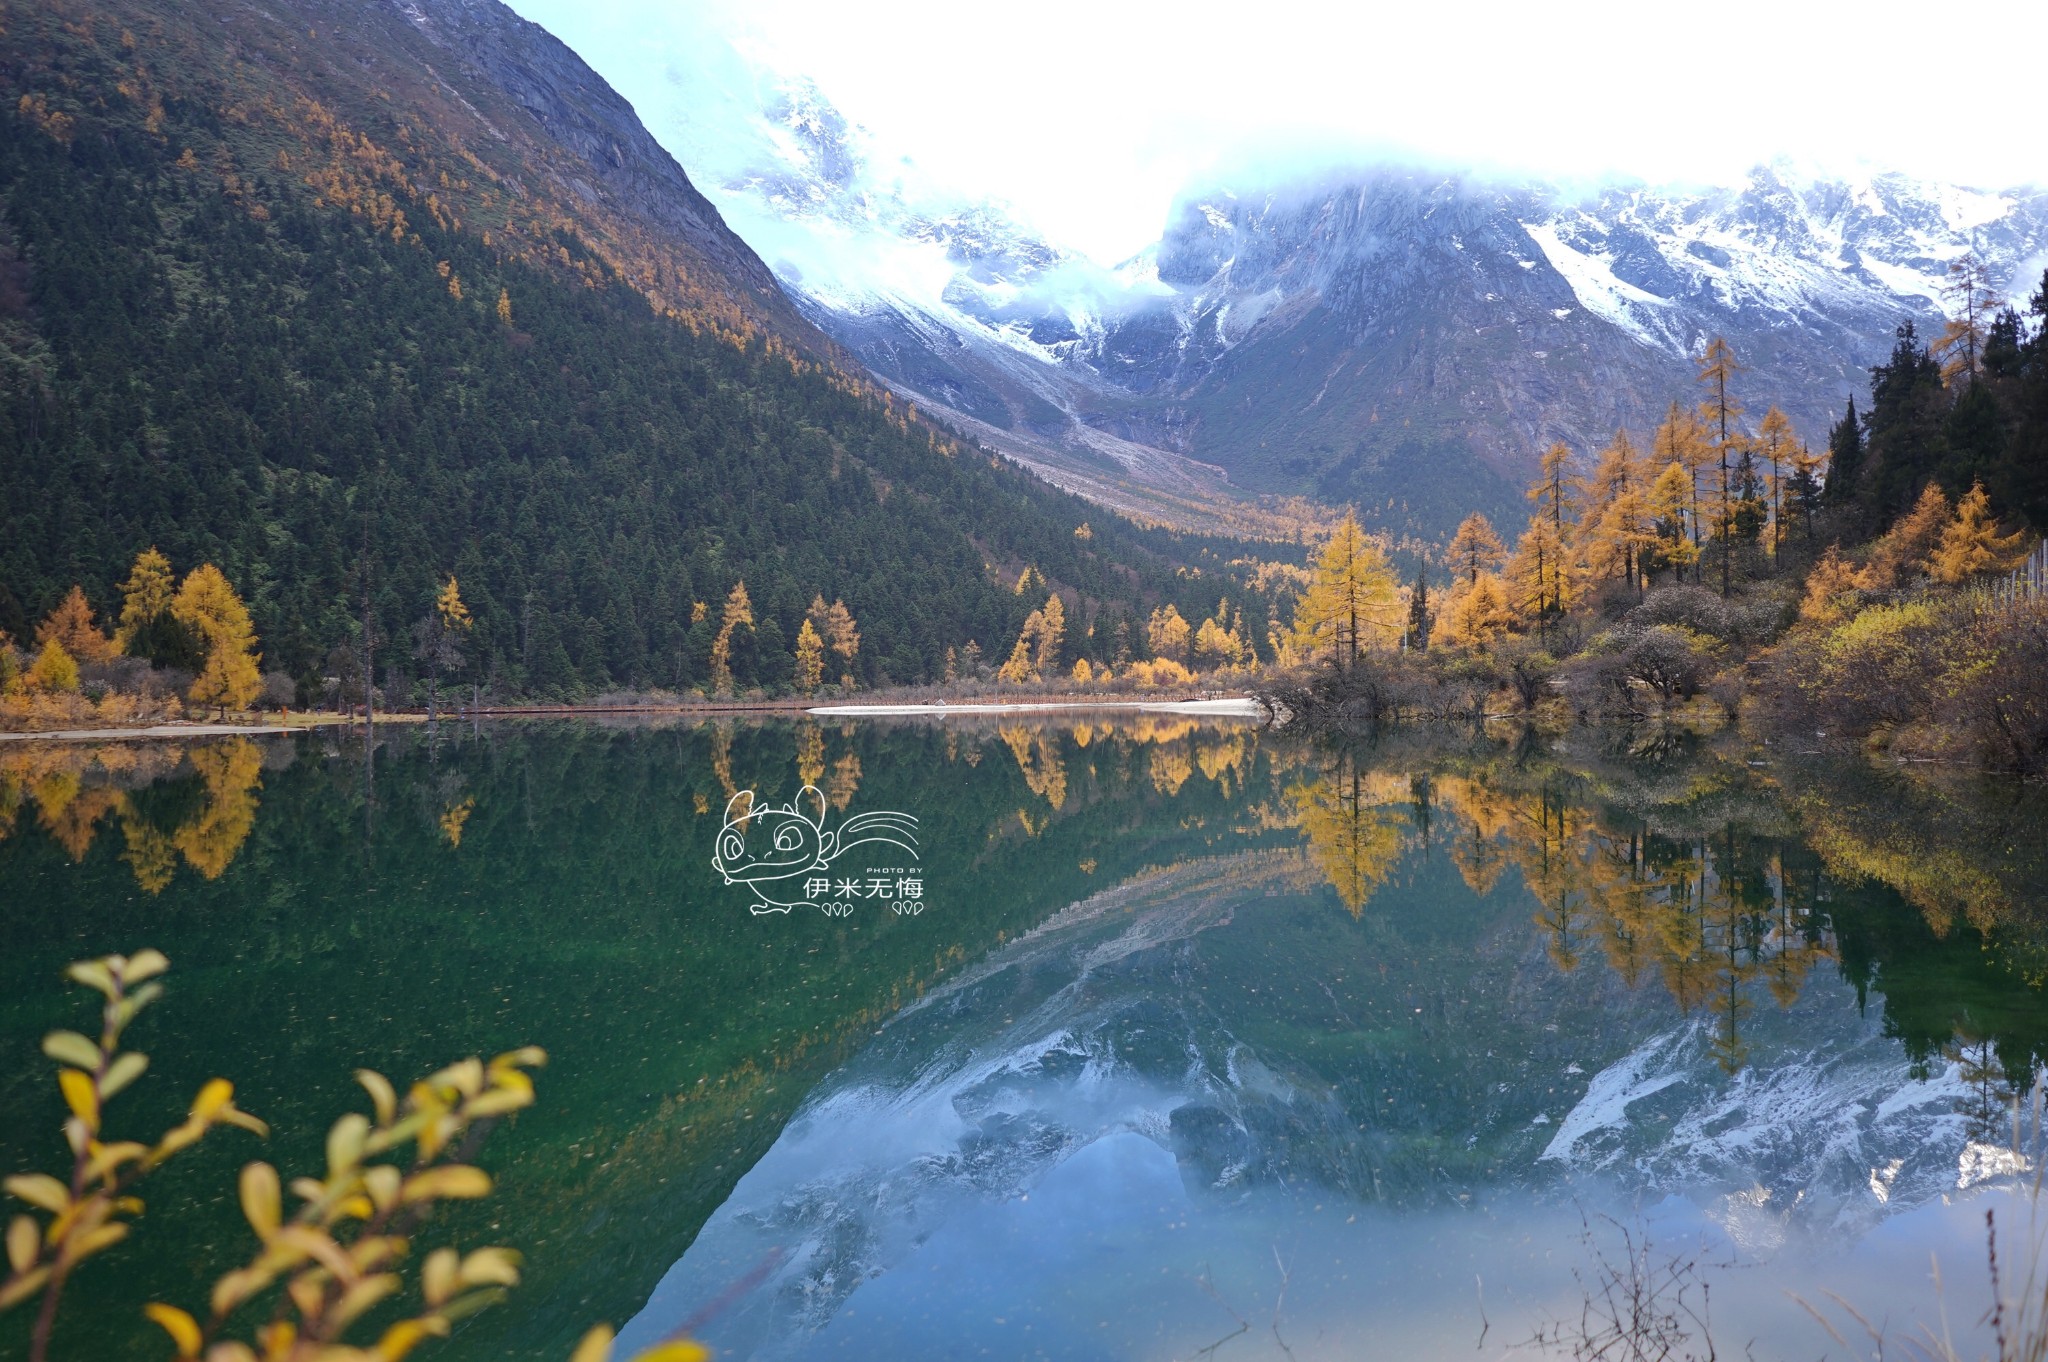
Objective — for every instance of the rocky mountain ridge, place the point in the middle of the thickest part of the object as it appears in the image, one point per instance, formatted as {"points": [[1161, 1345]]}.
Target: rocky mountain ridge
{"points": [[1402, 338], [617, 164]]}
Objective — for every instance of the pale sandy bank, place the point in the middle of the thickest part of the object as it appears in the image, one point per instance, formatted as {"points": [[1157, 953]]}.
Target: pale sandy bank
{"points": [[1241, 707]]}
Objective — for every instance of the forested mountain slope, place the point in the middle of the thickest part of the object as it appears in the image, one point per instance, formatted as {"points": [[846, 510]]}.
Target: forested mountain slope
{"points": [[349, 298]]}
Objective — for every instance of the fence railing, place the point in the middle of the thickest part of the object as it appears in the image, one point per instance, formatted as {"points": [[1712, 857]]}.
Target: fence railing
{"points": [[2027, 582]]}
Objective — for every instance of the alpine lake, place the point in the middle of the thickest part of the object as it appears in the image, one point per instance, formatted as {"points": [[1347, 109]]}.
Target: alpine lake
{"points": [[1102, 1035]]}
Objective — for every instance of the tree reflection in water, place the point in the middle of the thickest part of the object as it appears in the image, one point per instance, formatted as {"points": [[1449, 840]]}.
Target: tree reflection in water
{"points": [[76, 787], [1683, 868]]}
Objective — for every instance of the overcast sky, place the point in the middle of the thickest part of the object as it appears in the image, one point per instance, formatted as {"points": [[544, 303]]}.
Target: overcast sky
{"points": [[1089, 116]]}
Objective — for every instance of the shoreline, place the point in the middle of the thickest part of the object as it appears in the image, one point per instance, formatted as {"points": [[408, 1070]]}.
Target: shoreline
{"points": [[158, 732], [1236, 707]]}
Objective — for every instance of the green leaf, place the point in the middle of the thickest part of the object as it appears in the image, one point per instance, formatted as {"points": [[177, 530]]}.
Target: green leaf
{"points": [[136, 1001], [68, 1047], [345, 1143], [144, 964], [382, 1097], [123, 1071], [94, 974], [262, 1202], [24, 1239], [453, 1181]]}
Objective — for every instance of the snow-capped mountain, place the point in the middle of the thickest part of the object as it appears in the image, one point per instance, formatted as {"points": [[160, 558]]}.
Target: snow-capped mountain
{"points": [[1405, 311], [1380, 334]]}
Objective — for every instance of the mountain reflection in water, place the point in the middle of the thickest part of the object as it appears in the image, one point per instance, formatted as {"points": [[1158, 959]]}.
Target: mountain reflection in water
{"points": [[1210, 1037], [1565, 1004]]}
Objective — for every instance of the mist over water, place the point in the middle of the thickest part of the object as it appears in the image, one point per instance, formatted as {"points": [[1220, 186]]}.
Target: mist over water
{"points": [[1204, 1036]]}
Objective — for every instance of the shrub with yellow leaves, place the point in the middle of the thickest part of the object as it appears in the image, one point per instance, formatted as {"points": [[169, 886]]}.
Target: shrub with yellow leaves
{"points": [[86, 1211], [321, 1266]]}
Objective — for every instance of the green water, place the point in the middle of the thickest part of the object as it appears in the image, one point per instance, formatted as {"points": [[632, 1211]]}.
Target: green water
{"points": [[1255, 1021]]}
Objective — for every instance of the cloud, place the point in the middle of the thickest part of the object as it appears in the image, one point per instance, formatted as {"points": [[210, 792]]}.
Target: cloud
{"points": [[1092, 117]]}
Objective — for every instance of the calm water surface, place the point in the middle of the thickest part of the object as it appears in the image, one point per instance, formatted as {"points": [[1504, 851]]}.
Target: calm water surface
{"points": [[1156, 1037]]}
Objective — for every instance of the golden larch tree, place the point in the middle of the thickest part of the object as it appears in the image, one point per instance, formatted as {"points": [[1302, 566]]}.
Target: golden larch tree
{"points": [[145, 597], [1615, 544], [1052, 633], [1614, 522], [1616, 469], [1973, 301], [1719, 410], [1017, 669], [1353, 601], [1828, 588], [739, 613], [1167, 634], [70, 624], [438, 639], [1477, 615], [208, 606], [1970, 543], [453, 613], [836, 627], [1907, 546], [1539, 578], [810, 657], [1671, 498], [1540, 567], [1475, 548], [1776, 444], [1682, 440], [1037, 651], [54, 671], [1217, 646], [1555, 491]]}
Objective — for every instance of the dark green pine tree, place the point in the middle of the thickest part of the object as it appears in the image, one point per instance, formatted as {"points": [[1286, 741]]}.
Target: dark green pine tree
{"points": [[2022, 483], [1752, 507], [1973, 438], [2005, 347], [1418, 612], [1845, 460], [1905, 437], [776, 660]]}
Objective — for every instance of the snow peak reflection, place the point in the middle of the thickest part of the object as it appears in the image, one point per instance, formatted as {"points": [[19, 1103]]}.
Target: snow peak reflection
{"points": [[787, 857]]}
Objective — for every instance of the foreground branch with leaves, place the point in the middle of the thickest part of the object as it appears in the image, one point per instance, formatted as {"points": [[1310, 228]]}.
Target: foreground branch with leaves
{"points": [[320, 1268]]}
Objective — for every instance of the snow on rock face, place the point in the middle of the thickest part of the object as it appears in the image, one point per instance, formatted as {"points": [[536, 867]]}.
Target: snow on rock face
{"points": [[1840, 1123], [1601, 292], [1508, 314]]}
